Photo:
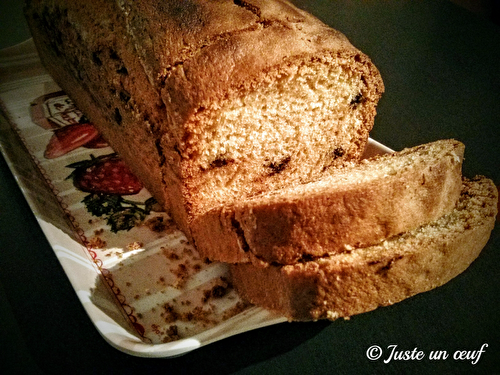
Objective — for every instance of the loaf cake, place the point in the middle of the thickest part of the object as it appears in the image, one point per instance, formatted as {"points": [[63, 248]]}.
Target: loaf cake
{"points": [[358, 205], [363, 279], [211, 101]]}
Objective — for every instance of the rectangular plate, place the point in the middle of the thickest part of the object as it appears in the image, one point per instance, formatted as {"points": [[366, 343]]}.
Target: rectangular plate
{"points": [[144, 288]]}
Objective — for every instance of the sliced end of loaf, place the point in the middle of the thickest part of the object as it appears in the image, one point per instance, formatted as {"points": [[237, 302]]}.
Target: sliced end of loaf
{"points": [[304, 119], [313, 112]]}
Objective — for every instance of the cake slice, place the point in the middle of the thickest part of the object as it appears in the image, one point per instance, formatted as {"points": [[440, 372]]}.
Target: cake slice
{"points": [[357, 206], [363, 279]]}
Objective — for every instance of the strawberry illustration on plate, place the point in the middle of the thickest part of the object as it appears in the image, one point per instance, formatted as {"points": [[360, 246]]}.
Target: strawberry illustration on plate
{"points": [[106, 174], [108, 179]]}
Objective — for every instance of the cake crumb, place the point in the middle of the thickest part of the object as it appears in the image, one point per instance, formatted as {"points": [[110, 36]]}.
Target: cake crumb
{"points": [[181, 273], [169, 314], [157, 224], [172, 334], [217, 291], [197, 267], [136, 245], [169, 254], [235, 310], [187, 251], [97, 243]]}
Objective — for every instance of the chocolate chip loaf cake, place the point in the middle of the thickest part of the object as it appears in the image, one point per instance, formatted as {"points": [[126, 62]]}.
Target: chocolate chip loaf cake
{"points": [[357, 206], [211, 101]]}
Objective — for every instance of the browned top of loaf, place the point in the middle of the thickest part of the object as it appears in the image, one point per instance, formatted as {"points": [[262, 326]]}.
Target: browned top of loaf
{"points": [[216, 45]]}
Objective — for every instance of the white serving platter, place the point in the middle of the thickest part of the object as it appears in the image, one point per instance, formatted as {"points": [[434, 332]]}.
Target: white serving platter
{"points": [[145, 288]]}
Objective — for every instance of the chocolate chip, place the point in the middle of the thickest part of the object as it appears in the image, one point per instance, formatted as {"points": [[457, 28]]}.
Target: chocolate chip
{"points": [[118, 116], [96, 59], [218, 291], [384, 269], [252, 8], [113, 55], [357, 99], [240, 233], [338, 152], [278, 167], [124, 96], [217, 163], [332, 155], [122, 70]]}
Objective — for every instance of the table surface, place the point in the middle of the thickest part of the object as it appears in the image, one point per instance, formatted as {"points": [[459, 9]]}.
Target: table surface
{"points": [[441, 68]]}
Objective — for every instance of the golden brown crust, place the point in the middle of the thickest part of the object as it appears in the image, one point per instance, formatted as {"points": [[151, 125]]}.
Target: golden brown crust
{"points": [[153, 75], [358, 206], [366, 278], [82, 46]]}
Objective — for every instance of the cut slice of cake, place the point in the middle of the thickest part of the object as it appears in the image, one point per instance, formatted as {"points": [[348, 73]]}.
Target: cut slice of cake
{"points": [[363, 279], [357, 206]]}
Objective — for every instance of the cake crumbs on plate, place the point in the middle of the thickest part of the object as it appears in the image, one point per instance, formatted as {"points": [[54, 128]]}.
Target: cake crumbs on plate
{"points": [[172, 334], [196, 267], [96, 242], [181, 273], [136, 245], [187, 251], [169, 254], [160, 224], [161, 281], [235, 310], [217, 291], [169, 314]]}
